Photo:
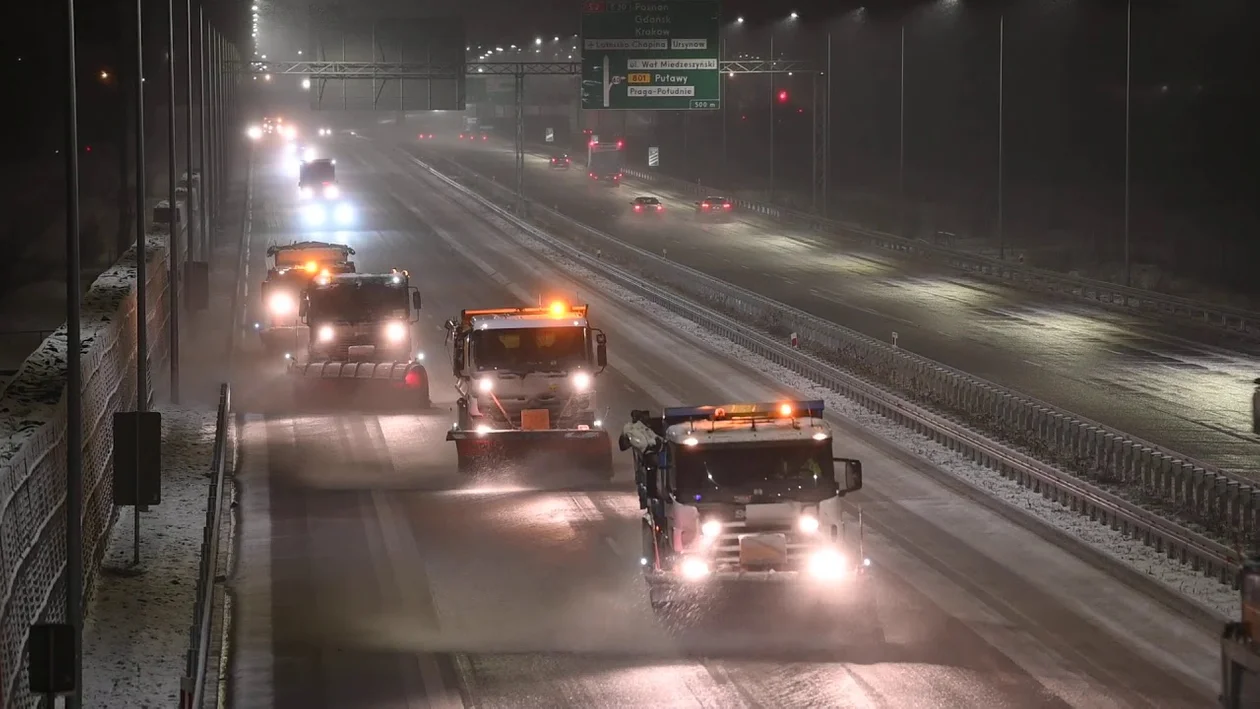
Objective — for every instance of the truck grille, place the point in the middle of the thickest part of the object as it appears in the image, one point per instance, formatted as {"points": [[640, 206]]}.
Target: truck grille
{"points": [[728, 556]]}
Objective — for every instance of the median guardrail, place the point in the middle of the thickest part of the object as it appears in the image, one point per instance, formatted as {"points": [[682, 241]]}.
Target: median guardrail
{"points": [[1143, 489], [1234, 320], [193, 684]]}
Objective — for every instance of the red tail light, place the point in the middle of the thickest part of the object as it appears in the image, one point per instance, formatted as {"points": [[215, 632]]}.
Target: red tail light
{"points": [[483, 137], [413, 378], [638, 208], [660, 207], [705, 205], [726, 206]]}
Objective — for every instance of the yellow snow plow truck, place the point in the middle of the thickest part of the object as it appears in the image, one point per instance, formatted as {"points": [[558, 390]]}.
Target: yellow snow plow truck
{"points": [[526, 379], [293, 267], [1240, 645], [360, 353]]}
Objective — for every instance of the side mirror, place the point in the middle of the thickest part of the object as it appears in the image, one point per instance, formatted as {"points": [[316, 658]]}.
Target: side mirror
{"points": [[303, 307], [601, 355], [415, 300], [449, 325], [623, 443], [852, 473]]}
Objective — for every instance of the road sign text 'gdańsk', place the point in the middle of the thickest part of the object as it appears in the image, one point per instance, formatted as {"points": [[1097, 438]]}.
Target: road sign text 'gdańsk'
{"points": [[650, 55]]}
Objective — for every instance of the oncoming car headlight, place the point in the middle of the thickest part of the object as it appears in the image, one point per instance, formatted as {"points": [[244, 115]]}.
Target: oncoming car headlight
{"points": [[395, 332], [281, 304], [581, 381], [326, 333]]}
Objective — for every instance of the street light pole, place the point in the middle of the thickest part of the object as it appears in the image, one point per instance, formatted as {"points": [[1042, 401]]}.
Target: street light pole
{"points": [[1001, 107], [74, 375], [172, 223], [901, 160], [205, 133], [773, 97], [142, 262], [1128, 76], [188, 144]]}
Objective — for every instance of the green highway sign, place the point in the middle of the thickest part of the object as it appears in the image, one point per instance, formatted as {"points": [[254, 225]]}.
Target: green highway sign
{"points": [[650, 55]]}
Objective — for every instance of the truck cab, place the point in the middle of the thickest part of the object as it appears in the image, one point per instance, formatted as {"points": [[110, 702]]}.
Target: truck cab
{"points": [[293, 268], [360, 317], [741, 493], [528, 376]]}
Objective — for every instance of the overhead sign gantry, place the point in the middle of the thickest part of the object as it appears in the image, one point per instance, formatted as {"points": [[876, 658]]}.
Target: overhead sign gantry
{"points": [[643, 55]]}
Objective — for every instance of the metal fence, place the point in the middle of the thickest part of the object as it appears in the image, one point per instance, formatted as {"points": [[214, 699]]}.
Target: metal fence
{"points": [[1129, 484], [193, 684]]}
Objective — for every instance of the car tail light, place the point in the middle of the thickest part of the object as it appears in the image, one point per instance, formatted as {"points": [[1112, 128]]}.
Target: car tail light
{"points": [[705, 205], [726, 206], [413, 378], [660, 207], [638, 208]]}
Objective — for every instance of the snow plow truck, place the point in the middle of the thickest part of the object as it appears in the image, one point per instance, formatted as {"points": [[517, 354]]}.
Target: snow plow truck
{"points": [[293, 267], [526, 379], [360, 353]]}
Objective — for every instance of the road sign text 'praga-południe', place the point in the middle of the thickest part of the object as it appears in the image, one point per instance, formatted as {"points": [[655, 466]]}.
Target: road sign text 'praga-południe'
{"points": [[651, 54]]}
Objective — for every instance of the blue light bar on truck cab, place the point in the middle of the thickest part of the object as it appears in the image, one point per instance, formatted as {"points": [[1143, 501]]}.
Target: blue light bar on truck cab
{"points": [[778, 409]]}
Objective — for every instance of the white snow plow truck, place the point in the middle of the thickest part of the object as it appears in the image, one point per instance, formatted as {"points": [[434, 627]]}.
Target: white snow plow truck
{"points": [[526, 379], [293, 267], [360, 353], [743, 493]]}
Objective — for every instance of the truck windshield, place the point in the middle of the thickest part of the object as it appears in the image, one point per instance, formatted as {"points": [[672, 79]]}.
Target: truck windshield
{"points": [[313, 172], [529, 349], [359, 303], [798, 470]]}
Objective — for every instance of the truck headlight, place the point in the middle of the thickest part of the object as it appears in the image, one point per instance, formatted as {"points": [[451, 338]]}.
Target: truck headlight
{"points": [[331, 192], [281, 304], [581, 381], [315, 214], [694, 569], [827, 564], [485, 385], [807, 524], [327, 334], [307, 192], [711, 528], [396, 332]]}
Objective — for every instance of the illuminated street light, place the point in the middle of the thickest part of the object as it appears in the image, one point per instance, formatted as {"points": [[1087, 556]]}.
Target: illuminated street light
{"points": [[267, 77], [739, 20], [306, 83], [538, 40], [104, 75], [264, 56], [556, 38], [793, 16]]}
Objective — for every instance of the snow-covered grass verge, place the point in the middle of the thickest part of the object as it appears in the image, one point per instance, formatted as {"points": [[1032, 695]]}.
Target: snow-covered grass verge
{"points": [[1149, 562], [136, 627]]}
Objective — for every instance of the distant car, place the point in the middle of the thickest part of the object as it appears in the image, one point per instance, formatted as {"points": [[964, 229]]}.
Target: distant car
{"points": [[475, 135], [647, 205], [425, 136], [715, 208], [483, 135], [325, 132], [561, 162]]}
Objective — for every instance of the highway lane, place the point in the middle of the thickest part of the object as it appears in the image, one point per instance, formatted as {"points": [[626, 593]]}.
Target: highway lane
{"points": [[372, 575], [1182, 387]]}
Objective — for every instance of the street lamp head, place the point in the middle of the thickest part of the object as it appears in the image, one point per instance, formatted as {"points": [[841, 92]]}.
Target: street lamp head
{"points": [[306, 83], [739, 20], [793, 15], [537, 40]]}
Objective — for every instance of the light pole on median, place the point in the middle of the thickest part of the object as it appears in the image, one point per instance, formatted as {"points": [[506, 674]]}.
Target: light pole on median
{"points": [[188, 144], [74, 375], [142, 263]]}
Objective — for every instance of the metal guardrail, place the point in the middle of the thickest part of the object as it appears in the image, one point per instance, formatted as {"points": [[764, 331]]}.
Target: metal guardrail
{"points": [[1036, 431], [193, 684], [1235, 320]]}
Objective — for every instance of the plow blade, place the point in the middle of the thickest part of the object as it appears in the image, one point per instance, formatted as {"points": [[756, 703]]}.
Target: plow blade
{"points": [[360, 386], [589, 451]]}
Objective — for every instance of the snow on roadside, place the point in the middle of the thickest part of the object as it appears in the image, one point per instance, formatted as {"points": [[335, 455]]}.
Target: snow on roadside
{"points": [[1130, 552], [135, 634]]}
